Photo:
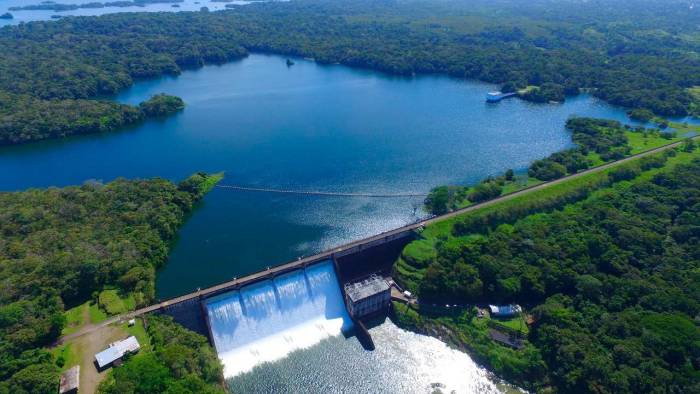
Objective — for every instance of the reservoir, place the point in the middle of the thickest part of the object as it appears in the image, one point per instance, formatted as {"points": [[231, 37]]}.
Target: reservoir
{"points": [[41, 15], [305, 127], [308, 127]]}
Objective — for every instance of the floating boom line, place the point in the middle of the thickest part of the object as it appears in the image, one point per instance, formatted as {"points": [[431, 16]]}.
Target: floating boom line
{"points": [[320, 193]]}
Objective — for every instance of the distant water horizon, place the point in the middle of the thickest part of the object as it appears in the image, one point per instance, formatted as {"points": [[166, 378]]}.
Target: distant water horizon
{"points": [[24, 16]]}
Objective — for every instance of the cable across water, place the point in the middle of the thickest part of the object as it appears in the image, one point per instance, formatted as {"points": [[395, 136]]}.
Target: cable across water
{"points": [[320, 193]]}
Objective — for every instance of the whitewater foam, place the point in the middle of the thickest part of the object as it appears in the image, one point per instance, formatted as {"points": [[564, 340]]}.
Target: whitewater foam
{"points": [[266, 321]]}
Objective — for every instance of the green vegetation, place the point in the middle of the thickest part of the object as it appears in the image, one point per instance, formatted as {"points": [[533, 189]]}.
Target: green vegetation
{"points": [[59, 7], [110, 302], [606, 263], [96, 314], [65, 356], [67, 246], [598, 141], [636, 53], [641, 114], [24, 118], [694, 93], [161, 105], [181, 361], [545, 93]]}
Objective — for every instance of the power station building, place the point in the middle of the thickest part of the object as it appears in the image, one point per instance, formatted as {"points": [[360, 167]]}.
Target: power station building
{"points": [[367, 297]]}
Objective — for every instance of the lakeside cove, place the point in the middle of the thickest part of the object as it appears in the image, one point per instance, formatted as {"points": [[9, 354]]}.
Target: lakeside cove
{"points": [[406, 142]]}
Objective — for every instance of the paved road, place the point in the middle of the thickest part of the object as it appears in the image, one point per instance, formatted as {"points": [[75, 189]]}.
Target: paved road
{"points": [[329, 253]]}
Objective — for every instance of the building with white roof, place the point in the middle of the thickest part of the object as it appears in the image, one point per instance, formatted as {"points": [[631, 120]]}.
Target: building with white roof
{"points": [[116, 351]]}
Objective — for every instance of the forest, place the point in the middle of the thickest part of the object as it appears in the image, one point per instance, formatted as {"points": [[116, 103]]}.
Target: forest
{"points": [[61, 246], [608, 271], [24, 118], [182, 362], [636, 53], [58, 7]]}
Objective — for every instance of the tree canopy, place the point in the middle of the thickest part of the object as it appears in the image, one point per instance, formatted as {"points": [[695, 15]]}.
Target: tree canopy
{"points": [[182, 362], [611, 281], [59, 246], [635, 53]]}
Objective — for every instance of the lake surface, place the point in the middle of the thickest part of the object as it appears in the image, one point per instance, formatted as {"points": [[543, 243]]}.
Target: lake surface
{"points": [[42, 15], [307, 127]]}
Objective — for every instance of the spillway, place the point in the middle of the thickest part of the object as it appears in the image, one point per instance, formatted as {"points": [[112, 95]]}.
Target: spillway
{"points": [[267, 320]]}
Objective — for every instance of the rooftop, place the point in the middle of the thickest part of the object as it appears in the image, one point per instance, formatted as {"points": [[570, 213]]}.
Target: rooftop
{"points": [[116, 350], [70, 380], [366, 288], [505, 309]]}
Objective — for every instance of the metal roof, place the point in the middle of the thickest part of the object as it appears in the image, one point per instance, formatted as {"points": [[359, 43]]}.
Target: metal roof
{"points": [[366, 288], [505, 309], [70, 380], [116, 350]]}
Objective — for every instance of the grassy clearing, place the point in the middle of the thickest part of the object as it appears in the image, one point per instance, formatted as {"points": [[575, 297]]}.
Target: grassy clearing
{"points": [[96, 314], [86, 313], [76, 317], [139, 331], [66, 356], [640, 142], [516, 323], [81, 350], [110, 301]]}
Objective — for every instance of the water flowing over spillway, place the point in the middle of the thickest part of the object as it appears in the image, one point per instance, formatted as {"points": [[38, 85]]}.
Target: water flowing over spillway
{"points": [[266, 321]]}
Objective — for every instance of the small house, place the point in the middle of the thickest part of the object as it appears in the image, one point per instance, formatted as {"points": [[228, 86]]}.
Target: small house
{"points": [[504, 310], [116, 351], [70, 380]]}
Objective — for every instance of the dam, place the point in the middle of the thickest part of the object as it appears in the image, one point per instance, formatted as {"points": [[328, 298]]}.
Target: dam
{"points": [[266, 320], [265, 316]]}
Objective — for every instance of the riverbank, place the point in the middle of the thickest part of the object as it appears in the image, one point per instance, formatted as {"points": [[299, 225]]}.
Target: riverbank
{"points": [[243, 31], [589, 152], [88, 252], [529, 366]]}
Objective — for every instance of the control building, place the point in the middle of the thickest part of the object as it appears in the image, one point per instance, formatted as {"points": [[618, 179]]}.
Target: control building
{"points": [[367, 297]]}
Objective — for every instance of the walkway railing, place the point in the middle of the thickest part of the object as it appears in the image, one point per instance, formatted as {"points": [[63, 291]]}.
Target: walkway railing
{"points": [[320, 193]]}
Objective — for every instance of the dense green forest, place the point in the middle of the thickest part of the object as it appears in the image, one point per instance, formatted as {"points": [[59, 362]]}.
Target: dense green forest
{"points": [[58, 7], [607, 268], [636, 53], [59, 247], [182, 362], [24, 118]]}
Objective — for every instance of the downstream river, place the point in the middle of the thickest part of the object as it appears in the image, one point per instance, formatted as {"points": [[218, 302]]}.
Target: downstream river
{"points": [[311, 127]]}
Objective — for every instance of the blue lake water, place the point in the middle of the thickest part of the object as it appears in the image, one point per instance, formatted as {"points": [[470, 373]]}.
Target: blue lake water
{"points": [[40, 15], [307, 127]]}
